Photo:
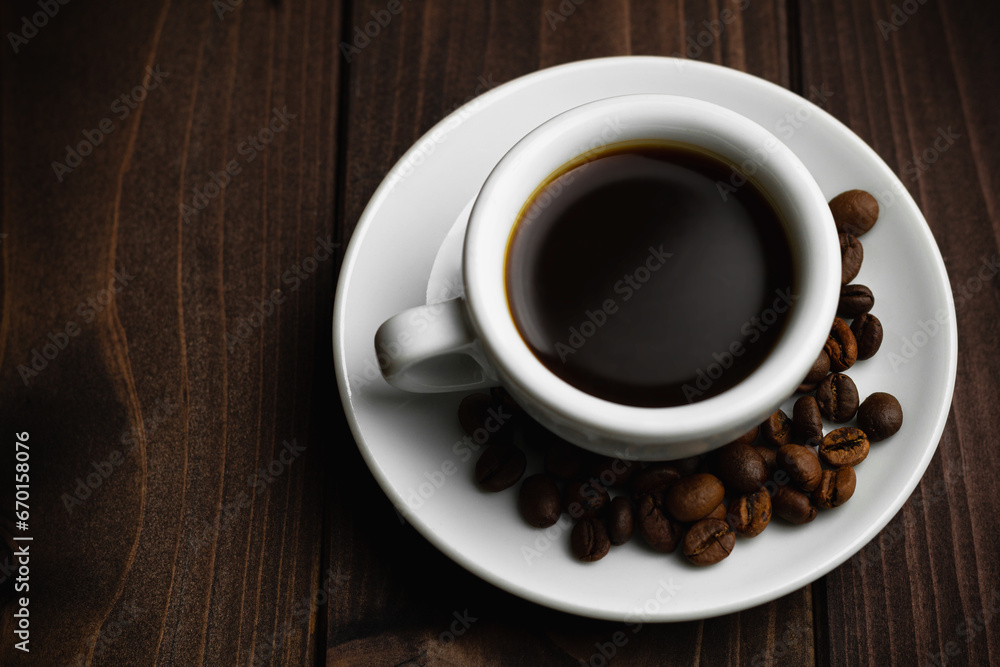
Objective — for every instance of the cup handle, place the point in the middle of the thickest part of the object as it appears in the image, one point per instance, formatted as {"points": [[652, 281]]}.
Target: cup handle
{"points": [[433, 349]]}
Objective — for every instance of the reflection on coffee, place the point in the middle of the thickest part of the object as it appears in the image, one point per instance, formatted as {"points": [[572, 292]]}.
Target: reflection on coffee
{"points": [[640, 275]]}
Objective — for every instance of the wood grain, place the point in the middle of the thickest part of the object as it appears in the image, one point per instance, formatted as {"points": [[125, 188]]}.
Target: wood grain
{"points": [[915, 593], [202, 544], [183, 389]]}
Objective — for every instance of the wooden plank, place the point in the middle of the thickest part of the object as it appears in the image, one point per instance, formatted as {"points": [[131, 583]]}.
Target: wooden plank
{"points": [[401, 593], [909, 72], [201, 540]]}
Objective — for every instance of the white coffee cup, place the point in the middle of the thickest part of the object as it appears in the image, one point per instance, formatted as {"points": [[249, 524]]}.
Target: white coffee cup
{"points": [[473, 342]]}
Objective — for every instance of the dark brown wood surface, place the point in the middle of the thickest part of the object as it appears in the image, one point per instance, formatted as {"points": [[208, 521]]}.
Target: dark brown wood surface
{"points": [[196, 495]]}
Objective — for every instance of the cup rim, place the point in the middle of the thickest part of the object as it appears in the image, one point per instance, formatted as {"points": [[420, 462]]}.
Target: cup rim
{"points": [[548, 147]]}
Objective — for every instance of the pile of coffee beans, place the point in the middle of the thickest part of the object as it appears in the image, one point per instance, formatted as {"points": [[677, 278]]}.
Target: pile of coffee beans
{"points": [[787, 467], [879, 416]]}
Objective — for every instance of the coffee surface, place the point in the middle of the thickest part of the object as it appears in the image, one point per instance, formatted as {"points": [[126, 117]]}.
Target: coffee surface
{"points": [[650, 275]]}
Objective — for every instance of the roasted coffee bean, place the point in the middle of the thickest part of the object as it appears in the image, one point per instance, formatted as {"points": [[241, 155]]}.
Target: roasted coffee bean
{"points": [[819, 369], [854, 300], [692, 498], [656, 527], [867, 332], [854, 211], [747, 438], [750, 513], [613, 472], [770, 460], [837, 397], [563, 460], [740, 467], [585, 497], [777, 430], [792, 505], [801, 465], [880, 416], [846, 446], [836, 488], [589, 539], [709, 541], [808, 421], [841, 346], [539, 501], [719, 512], [621, 521], [805, 389], [654, 479], [851, 256], [500, 467]]}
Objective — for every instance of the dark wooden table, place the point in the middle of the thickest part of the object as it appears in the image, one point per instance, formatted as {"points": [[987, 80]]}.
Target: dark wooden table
{"points": [[196, 495]]}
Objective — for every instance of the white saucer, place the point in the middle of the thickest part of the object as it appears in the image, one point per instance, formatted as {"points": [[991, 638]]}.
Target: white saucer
{"points": [[412, 442]]}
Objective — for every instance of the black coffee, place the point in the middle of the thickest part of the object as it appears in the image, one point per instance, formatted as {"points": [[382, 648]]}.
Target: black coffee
{"points": [[650, 275]]}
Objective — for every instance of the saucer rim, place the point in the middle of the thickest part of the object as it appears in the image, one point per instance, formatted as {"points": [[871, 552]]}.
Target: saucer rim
{"points": [[831, 562]]}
